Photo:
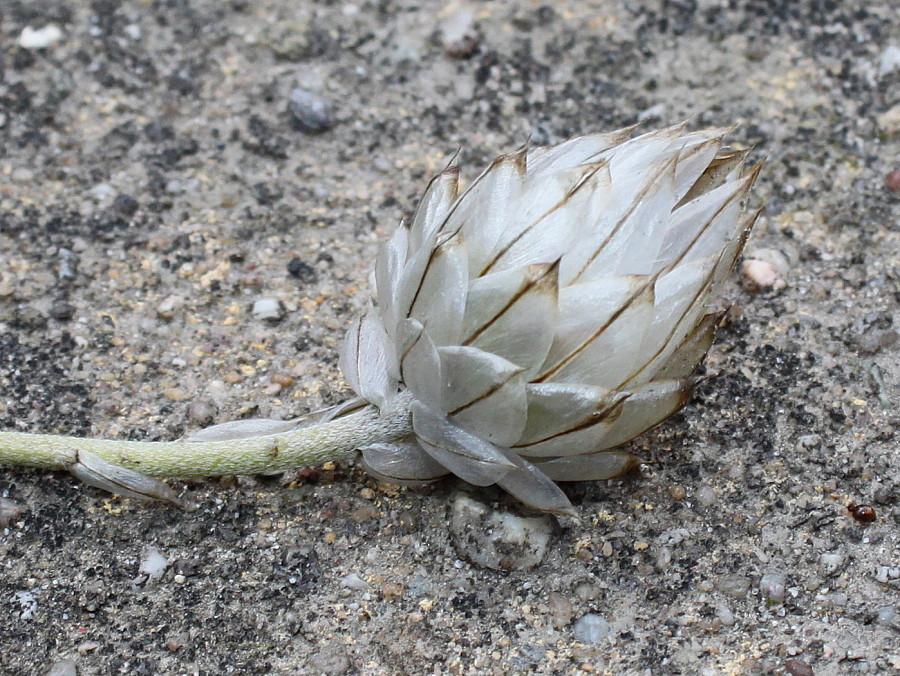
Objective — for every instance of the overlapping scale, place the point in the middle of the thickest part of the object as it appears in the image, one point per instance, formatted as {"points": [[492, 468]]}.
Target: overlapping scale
{"points": [[553, 310]]}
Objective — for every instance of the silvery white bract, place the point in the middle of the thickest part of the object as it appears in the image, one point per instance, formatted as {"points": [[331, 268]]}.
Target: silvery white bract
{"points": [[553, 311]]}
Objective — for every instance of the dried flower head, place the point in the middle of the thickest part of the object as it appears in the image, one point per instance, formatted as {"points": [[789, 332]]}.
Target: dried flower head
{"points": [[551, 312]]}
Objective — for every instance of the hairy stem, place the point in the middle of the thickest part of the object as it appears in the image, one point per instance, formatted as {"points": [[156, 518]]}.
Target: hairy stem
{"points": [[302, 447]]}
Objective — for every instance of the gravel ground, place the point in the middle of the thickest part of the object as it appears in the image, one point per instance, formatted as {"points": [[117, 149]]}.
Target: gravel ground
{"points": [[158, 178]]}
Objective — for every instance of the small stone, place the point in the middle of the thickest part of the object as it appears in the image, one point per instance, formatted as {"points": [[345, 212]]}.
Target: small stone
{"points": [[153, 563], [269, 309], [706, 496], [102, 192], [364, 513], [831, 563], [125, 205], [798, 668], [354, 581], [735, 586], [329, 662], [888, 62], [765, 269], [310, 112], [169, 306], [303, 271], [459, 35], [175, 394], [40, 38], [889, 120], [588, 592], [22, 175], [62, 311], [561, 610], [886, 615], [678, 492], [657, 112], [892, 180], [283, 379], [772, 587], [63, 668], [591, 628], [724, 615], [201, 412], [498, 540], [10, 512]]}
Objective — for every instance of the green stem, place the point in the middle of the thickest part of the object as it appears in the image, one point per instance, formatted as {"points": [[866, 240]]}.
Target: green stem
{"points": [[272, 453]]}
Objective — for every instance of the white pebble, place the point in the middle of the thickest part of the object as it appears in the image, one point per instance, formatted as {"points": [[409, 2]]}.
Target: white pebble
{"points": [[886, 615], [889, 61], [831, 564], [40, 38], [153, 563], [354, 581], [762, 274], [592, 628], [772, 587], [63, 668], [706, 496], [27, 603], [267, 308]]}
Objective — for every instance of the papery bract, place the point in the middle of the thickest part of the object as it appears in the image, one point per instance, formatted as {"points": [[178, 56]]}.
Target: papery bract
{"points": [[553, 311]]}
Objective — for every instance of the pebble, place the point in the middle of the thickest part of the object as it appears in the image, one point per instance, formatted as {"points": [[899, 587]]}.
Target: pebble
{"points": [[272, 389], [102, 192], [591, 628], [68, 263], [62, 311], [303, 271], [169, 306], [561, 610], [329, 662], [772, 587], [587, 591], [706, 496], [831, 563], [798, 668], [22, 175], [40, 38], [27, 604], [765, 269], [201, 412], [889, 120], [354, 581], [889, 61], [498, 540], [175, 394], [153, 563], [458, 34], [724, 615], [735, 586], [63, 668], [283, 379], [678, 492], [125, 205], [892, 180], [886, 615], [657, 112], [10, 512], [311, 112], [884, 574], [268, 309]]}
